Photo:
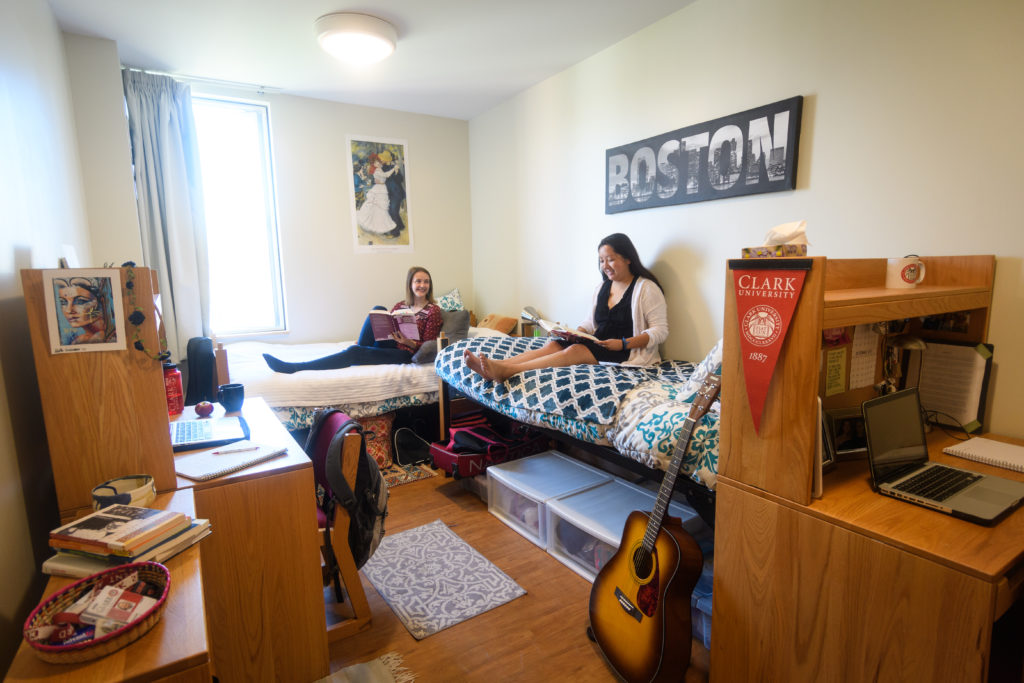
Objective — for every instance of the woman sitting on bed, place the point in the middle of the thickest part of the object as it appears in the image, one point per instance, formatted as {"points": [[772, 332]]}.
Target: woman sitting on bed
{"points": [[629, 316], [419, 297]]}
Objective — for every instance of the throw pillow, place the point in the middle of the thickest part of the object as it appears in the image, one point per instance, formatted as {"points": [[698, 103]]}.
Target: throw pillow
{"points": [[455, 327], [452, 301], [377, 434]]}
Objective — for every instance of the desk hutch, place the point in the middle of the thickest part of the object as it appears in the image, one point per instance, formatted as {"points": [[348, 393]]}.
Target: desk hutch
{"points": [[853, 585]]}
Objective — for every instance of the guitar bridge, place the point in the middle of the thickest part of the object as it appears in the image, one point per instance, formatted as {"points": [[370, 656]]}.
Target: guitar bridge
{"points": [[627, 605]]}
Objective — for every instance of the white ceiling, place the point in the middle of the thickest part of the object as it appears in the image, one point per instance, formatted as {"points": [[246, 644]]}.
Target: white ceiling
{"points": [[455, 58]]}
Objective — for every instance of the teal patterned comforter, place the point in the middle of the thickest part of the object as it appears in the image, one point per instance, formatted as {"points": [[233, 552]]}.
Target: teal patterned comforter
{"points": [[638, 411]]}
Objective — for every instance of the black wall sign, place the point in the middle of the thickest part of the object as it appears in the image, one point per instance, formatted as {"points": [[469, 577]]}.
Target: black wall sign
{"points": [[751, 152]]}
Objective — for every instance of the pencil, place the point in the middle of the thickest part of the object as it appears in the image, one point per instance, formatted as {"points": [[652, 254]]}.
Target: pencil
{"points": [[237, 450]]}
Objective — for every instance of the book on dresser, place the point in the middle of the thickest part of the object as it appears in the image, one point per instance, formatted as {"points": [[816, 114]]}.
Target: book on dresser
{"points": [[119, 530], [78, 563]]}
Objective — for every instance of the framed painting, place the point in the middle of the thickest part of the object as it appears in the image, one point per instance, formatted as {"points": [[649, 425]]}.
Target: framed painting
{"points": [[379, 191], [84, 310]]}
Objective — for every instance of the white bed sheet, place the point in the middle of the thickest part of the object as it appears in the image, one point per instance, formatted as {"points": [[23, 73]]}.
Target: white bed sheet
{"points": [[312, 388]]}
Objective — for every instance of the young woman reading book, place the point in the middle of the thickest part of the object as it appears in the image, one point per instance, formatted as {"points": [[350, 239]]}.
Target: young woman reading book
{"points": [[419, 299], [629, 317]]}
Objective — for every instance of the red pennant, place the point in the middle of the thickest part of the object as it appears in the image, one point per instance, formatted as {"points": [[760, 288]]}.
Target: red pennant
{"points": [[765, 301]]}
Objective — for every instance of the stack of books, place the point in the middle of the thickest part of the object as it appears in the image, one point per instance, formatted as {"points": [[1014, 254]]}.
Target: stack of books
{"points": [[120, 534]]}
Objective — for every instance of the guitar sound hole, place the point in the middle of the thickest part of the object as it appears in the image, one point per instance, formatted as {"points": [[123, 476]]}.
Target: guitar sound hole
{"points": [[642, 563]]}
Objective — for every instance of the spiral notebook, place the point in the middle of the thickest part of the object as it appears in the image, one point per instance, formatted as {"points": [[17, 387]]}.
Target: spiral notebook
{"points": [[989, 452], [216, 462]]}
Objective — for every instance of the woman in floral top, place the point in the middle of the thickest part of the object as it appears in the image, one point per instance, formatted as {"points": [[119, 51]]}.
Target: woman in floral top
{"points": [[419, 299]]}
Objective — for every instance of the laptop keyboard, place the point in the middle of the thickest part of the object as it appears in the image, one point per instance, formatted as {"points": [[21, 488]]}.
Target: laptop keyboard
{"points": [[938, 482], [188, 431]]}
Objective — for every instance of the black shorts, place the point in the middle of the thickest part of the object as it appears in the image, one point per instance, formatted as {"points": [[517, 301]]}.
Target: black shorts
{"points": [[601, 354]]}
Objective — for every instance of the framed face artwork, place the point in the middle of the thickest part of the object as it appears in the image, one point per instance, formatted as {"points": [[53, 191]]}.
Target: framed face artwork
{"points": [[84, 311], [379, 194]]}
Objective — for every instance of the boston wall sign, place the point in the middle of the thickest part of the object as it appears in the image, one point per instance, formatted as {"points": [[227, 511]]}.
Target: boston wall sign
{"points": [[747, 153]]}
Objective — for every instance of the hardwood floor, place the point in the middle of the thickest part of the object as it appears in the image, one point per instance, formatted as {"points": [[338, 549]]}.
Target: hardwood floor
{"points": [[538, 637]]}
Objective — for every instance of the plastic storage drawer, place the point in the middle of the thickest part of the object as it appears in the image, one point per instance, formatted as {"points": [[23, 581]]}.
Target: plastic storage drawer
{"points": [[518, 490], [585, 527], [700, 605]]}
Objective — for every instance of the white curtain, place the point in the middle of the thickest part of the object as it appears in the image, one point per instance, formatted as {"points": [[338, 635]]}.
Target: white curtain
{"points": [[168, 190]]}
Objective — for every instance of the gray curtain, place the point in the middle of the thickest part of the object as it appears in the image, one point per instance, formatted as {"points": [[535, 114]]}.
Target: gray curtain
{"points": [[168, 191]]}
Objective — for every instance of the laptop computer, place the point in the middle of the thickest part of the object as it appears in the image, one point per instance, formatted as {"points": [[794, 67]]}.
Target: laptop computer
{"points": [[188, 435], [898, 458]]}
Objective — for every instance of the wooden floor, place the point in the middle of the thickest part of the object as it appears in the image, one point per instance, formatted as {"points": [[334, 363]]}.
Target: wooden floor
{"points": [[538, 637]]}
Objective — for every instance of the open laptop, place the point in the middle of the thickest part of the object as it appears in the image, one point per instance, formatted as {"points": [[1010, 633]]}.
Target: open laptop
{"points": [[898, 457], [188, 435]]}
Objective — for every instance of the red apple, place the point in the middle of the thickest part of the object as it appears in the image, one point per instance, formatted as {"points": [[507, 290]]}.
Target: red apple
{"points": [[204, 408]]}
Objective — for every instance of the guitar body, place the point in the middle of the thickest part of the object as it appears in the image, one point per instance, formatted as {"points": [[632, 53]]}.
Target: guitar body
{"points": [[642, 623]]}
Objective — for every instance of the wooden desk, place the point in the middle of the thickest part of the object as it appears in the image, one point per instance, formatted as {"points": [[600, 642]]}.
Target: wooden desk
{"points": [[174, 649], [261, 565], [815, 589]]}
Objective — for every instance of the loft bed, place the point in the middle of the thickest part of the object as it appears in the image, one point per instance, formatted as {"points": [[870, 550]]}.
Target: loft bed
{"points": [[626, 414], [359, 391]]}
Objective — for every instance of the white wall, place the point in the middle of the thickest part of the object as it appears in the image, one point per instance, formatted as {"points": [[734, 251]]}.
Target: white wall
{"points": [[908, 145], [41, 196]]}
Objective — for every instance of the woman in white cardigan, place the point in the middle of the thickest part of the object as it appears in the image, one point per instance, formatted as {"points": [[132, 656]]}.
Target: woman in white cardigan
{"points": [[629, 318]]}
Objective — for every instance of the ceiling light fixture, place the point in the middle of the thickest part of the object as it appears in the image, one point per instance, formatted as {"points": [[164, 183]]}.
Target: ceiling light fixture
{"points": [[356, 39]]}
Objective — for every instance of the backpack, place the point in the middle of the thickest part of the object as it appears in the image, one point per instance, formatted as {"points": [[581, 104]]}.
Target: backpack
{"points": [[367, 505]]}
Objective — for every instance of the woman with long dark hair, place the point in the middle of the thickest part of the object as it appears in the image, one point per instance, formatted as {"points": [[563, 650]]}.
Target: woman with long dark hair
{"points": [[629, 317]]}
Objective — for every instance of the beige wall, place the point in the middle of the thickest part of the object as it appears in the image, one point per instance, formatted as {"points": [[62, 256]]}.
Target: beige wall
{"points": [[909, 145], [41, 196]]}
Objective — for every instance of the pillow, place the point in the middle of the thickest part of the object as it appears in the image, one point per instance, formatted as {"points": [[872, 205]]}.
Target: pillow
{"points": [[485, 332], [499, 322], [452, 301], [455, 327]]}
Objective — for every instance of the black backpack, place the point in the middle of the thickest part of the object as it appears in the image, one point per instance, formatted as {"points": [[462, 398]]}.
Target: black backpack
{"points": [[367, 505]]}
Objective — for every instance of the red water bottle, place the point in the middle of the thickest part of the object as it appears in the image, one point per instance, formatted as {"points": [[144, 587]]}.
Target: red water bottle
{"points": [[172, 385]]}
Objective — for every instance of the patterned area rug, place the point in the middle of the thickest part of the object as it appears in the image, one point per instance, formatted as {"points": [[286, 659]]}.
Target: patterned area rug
{"points": [[385, 669], [396, 475], [432, 579]]}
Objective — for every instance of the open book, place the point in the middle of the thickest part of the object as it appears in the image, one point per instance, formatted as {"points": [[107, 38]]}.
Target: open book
{"points": [[402, 321], [556, 329]]}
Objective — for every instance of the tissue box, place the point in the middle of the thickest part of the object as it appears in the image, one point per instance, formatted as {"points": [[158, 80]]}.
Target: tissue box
{"points": [[777, 250]]}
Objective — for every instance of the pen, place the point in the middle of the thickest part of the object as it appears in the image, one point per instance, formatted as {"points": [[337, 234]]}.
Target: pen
{"points": [[237, 450]]}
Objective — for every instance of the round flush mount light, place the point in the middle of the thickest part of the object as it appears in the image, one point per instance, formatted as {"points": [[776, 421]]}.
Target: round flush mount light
{"points": [[357, 39]]}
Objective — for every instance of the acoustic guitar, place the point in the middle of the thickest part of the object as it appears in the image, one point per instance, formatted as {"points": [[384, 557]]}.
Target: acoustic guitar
{"points": [[640, 601]]}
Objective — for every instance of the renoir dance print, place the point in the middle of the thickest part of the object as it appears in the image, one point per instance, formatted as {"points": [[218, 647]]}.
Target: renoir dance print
{"points": [[84, 310], [747, 153], [378, 181]]}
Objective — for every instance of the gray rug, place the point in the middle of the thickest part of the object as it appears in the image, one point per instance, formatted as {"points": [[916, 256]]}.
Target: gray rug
{"points": [[432, 579]]}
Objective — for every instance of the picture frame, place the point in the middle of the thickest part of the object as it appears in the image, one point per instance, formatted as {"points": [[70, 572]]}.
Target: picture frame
{"points": [[828, 451], [845, 430], [379, 194], [84, 310]]}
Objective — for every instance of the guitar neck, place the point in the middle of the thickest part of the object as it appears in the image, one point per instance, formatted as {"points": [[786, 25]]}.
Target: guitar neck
{"points": [[668, 484]]}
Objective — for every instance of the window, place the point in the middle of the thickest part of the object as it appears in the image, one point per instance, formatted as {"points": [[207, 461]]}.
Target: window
{"points": [[246, 288]]}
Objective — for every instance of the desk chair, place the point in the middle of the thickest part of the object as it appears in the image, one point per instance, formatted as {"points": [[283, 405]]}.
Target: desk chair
{"points": [[327, 440]]}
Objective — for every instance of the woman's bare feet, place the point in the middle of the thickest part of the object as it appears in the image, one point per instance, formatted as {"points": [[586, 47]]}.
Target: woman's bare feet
{"points": [[494, 369], [473, 361]]}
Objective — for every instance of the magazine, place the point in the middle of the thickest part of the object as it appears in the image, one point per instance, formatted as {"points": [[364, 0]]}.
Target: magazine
{"points": [[402, 321]]}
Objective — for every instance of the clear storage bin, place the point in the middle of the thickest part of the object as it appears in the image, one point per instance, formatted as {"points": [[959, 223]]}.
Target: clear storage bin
{"points": [[518, 490], [585, 527]]}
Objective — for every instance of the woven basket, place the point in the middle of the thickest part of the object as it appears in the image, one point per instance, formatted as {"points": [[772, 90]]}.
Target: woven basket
{"points": [[151, 572]]}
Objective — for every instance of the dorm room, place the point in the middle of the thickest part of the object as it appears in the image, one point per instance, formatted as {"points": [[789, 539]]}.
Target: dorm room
{"points": [[901, 153]]}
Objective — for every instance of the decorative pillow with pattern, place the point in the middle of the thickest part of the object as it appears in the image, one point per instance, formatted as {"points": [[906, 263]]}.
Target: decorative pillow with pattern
{"points": [[452, 301]]}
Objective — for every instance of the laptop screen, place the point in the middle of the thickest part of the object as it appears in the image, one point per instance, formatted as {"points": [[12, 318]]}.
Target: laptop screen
{"points": [[895, 433]]}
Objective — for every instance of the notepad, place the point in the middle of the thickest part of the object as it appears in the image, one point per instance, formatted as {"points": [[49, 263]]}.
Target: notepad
{"points": [[989, 452], [216, 462]]}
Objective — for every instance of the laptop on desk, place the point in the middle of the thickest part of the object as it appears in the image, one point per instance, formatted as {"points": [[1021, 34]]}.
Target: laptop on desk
{"points": [[898, 458], [209, 432]]}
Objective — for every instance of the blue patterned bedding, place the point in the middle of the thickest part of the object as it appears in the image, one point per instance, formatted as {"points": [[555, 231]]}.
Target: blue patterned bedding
{"points": [[636, 410]]}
